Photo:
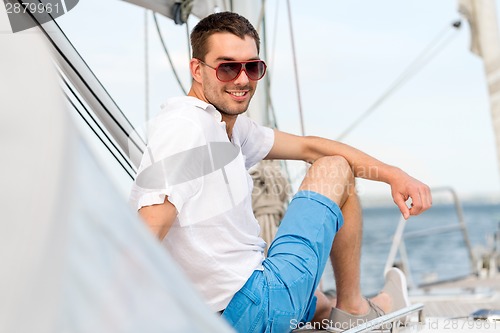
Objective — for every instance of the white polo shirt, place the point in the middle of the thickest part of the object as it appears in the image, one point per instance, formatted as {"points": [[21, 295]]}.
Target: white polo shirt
{"points": [[190, 159]]}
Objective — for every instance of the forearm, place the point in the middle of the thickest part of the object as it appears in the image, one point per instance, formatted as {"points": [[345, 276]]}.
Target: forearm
{"points": [[310, 148], [362, 164]]}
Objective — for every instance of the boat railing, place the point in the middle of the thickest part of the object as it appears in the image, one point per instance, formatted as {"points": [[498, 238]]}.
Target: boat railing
{"points": [[391, 322], [398, 241]]}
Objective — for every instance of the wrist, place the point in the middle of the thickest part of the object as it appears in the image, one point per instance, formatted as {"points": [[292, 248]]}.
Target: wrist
{"points": [[391, 174]]}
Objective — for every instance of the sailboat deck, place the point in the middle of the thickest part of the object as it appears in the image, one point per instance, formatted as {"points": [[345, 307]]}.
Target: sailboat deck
{"points": [[461, 298], [448, 307]]}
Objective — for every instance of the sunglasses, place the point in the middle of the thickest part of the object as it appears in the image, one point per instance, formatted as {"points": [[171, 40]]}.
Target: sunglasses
{"points": [[230, 70]]}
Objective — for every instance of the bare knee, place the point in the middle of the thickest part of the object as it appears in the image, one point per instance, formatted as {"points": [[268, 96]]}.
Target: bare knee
{"points": [[332, 169], [335, 164], [330, 176]]}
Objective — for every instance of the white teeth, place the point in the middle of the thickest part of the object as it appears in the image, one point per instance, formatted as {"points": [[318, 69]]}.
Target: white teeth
{"points": [[238, 94]]}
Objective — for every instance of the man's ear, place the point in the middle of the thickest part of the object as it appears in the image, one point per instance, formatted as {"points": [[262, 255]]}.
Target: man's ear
{"points": [[195, 68]]}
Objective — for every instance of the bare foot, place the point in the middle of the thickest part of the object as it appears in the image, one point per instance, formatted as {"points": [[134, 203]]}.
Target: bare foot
{"points": [[383, 301]]}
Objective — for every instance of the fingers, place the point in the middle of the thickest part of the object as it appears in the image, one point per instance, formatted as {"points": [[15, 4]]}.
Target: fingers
{"points": [[421, 200], [401, 203], [428, 195]]}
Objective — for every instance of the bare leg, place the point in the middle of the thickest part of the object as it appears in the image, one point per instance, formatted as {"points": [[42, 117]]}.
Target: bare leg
{"points": [[333, 178], [345, 255]]}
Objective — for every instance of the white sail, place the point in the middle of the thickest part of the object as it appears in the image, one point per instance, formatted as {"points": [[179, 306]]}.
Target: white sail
{"points": [[75, 258], [485, 42]]}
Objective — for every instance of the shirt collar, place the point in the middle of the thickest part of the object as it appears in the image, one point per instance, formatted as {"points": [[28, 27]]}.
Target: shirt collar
{"points": [[204, 106]]}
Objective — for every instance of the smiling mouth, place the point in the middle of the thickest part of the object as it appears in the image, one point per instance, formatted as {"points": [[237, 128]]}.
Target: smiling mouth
{"points": [[238, 93]]}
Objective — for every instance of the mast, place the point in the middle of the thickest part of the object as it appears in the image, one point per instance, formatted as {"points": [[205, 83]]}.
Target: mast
{"points": [[257, 110]]}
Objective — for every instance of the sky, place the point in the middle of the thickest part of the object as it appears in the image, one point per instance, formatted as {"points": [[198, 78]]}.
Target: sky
{"points": [[437, 127]]}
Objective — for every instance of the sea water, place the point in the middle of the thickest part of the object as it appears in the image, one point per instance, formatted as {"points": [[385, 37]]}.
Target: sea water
{"points": [[432, 256]]}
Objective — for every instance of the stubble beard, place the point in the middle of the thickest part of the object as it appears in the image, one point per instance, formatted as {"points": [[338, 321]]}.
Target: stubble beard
{"points": [[224, 107]]}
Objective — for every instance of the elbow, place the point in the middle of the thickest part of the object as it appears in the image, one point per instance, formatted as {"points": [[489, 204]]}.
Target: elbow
{"points": [[310, 150]]}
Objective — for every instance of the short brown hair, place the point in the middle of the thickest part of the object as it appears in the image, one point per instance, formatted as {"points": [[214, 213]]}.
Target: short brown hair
{"points": [[220, 22]]}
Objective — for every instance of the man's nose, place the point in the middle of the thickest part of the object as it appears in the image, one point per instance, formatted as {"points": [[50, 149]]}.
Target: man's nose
{"points": [[242, 79]]}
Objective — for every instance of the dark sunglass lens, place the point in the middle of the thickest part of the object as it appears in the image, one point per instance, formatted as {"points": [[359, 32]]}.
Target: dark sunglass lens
{"points": [[255, 70], [228, 71]]}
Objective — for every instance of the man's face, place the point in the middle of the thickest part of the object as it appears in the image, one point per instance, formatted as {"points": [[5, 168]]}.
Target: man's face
{"points": [[233, 97]]}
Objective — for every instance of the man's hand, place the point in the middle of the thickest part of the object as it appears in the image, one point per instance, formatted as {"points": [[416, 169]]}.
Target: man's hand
{"points": [[404, 187]]}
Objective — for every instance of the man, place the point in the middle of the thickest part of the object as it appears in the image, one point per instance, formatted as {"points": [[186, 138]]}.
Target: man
{"points": [[194, 192]]}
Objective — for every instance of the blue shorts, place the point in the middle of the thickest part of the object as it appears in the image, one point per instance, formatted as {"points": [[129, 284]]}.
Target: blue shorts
{"points": [[281, 296]]}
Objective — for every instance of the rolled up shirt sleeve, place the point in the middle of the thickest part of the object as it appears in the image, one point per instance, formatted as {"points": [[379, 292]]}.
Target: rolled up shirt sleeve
{"points": [[256, 140], [167, 166]]}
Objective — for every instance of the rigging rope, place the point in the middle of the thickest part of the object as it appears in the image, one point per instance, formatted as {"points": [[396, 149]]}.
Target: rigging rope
{"points": [[188, 42], [270, 118], [271, 186], [146, 69], [65, 59], [276, 17], [270, 193], [273, 121], [260, 20], [290, 24], [106, 144], [423, 58], [168, 54]]}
